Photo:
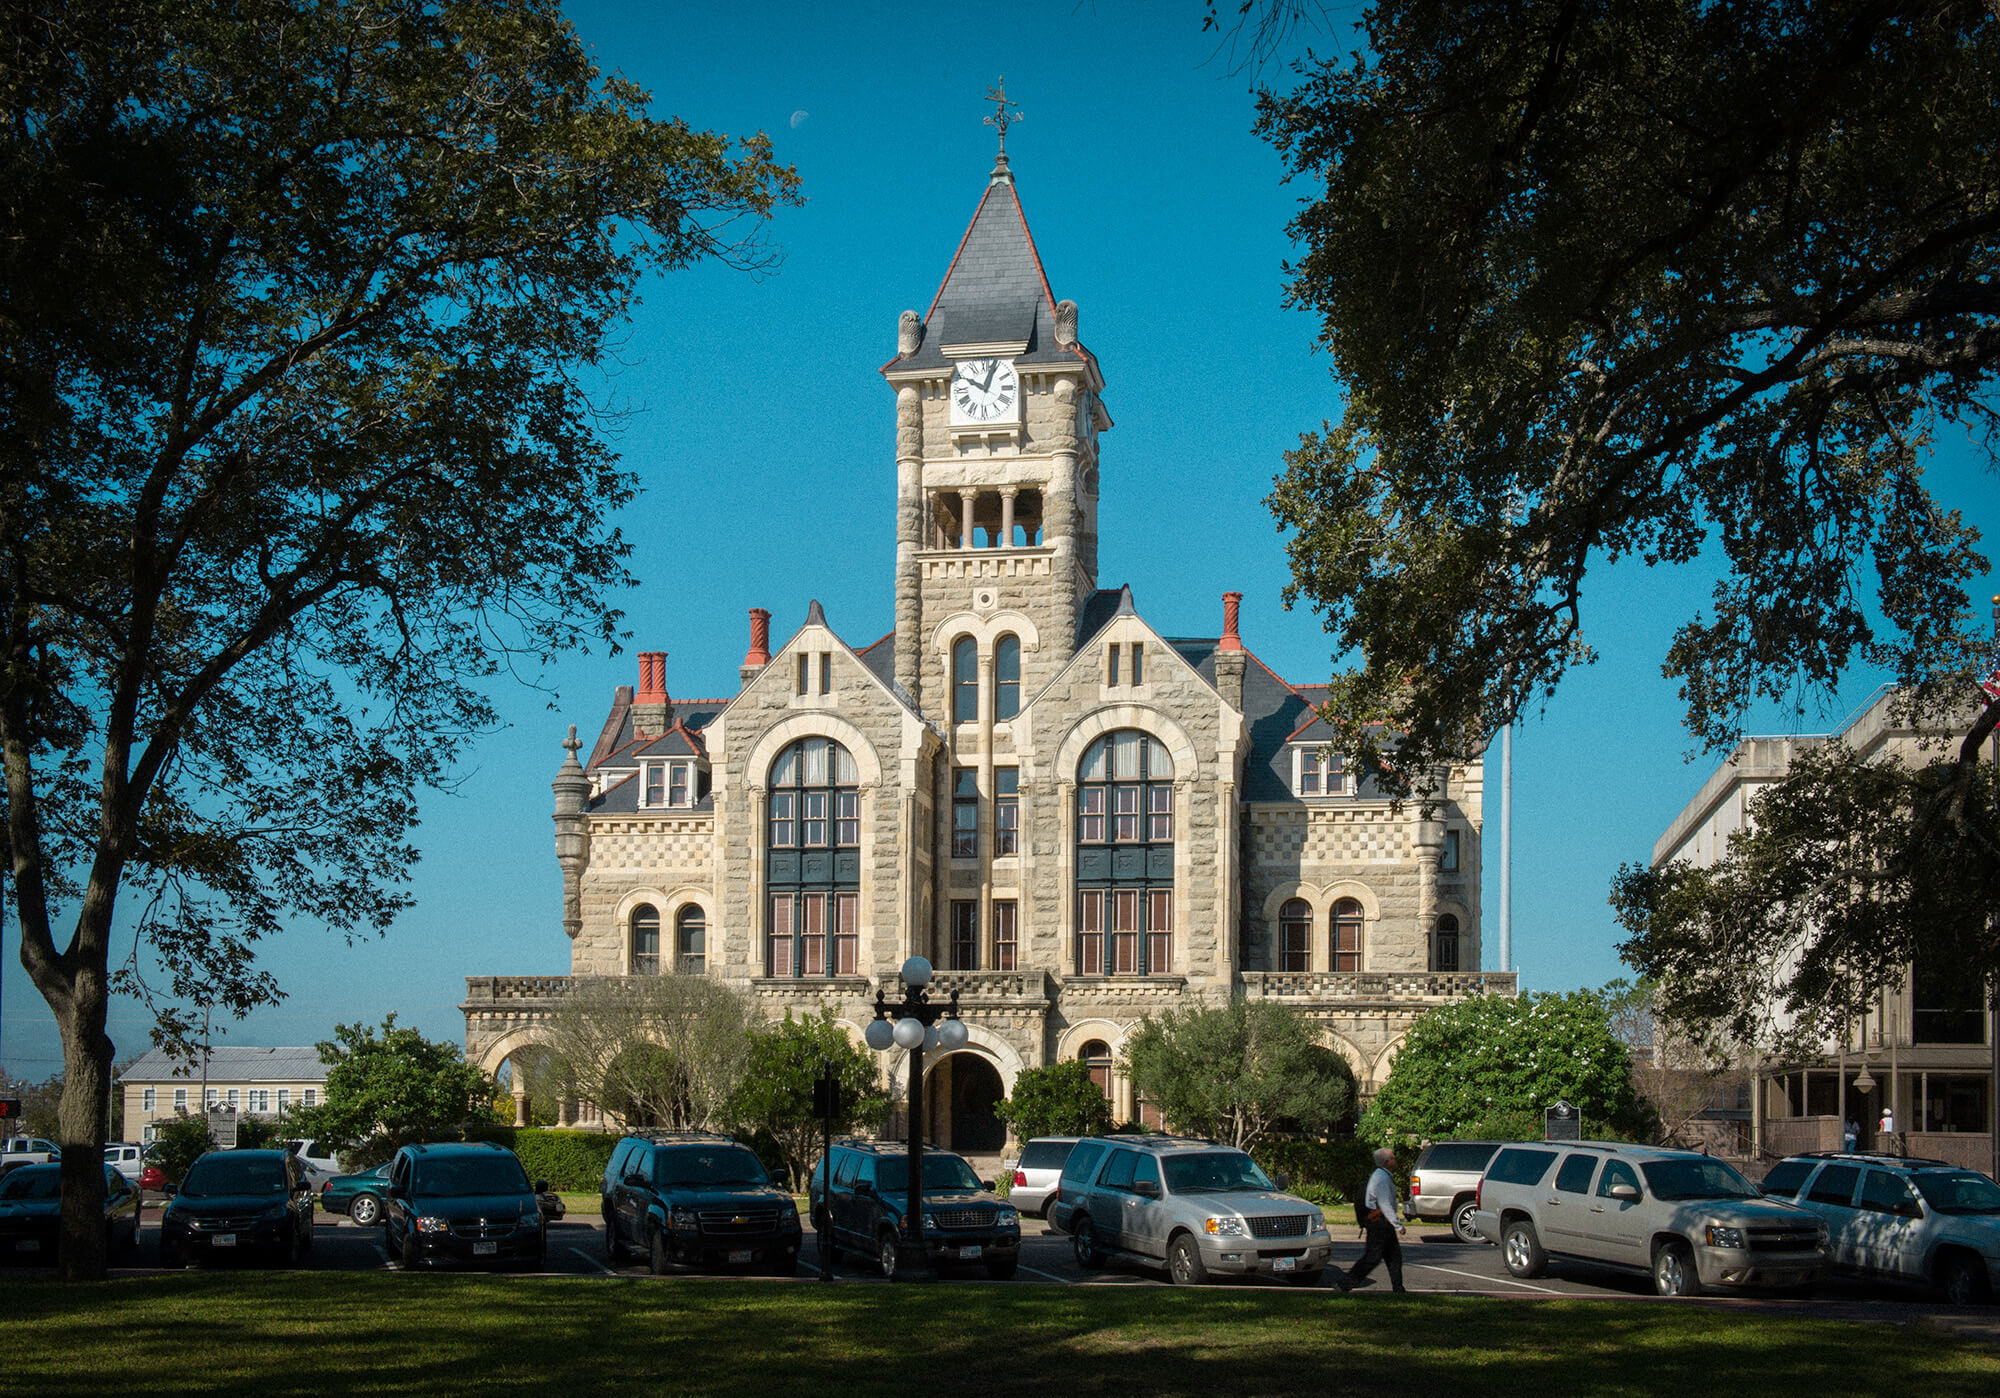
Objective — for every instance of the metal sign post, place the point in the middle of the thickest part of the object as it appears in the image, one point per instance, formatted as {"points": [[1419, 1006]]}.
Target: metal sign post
{"points": [[1562, 1122], [826, 1106]]}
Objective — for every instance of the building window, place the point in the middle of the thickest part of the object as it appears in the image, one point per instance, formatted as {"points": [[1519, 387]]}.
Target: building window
{"points": [[1445, 958], [826, 672], [679, 787], [1347, 935], [813, 863], [691, 938], [1096, 1058], [1125, 892], [1295, 929], [814, 934], [234, 1099], [1007, 677], [1138, 662], [1006, 936], [260, 1100], [1006, 810], [965, 680], [1111, 662], [284, 1099], [1945, 1008], [645, 940], [1448, 863], [964, 935], [180, 1099], [805, 673], [312, 1096], [965, 814], [653, 784], [1316, 772], [149, 1099]]}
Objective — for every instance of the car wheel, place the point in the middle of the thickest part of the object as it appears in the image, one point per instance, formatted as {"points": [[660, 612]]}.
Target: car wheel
{"points": [[1522, 1250], [888, 1255], [1674, 1271], [288, 1246], [1003, 1271], [410, 1257], [1184, 1262], [1960, 1282], [366, 1210], [613, 1249], [656, 1255], [1083, 1240], [306, 1234], [1461, 1221]]}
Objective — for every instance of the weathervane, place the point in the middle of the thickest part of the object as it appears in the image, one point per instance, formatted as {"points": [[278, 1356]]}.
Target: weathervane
{"points": [[1000, 119]]}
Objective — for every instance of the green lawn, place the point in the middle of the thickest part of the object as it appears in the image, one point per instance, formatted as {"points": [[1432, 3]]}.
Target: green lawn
{"points": [[306, 1333]]}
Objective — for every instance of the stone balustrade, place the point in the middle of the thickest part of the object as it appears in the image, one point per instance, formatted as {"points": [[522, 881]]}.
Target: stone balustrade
{"points": [[1015, 989], [1377, 985], [491, 989]]}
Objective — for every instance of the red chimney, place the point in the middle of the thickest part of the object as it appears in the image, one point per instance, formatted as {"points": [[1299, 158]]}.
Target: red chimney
{"points": [[1231, 601], [652, 677], [760, 638]]}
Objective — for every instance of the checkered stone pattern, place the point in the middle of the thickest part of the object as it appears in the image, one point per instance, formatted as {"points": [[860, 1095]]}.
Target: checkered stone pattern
{"points": [[683, 846], [1287, 840]]}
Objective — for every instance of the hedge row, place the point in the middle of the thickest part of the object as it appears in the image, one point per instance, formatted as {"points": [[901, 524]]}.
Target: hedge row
{"points": [[1327, 1172], [571, 1161]]}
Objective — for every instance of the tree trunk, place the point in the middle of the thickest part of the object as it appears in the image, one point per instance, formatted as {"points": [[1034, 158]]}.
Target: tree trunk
{"points": [[86, 1103]]}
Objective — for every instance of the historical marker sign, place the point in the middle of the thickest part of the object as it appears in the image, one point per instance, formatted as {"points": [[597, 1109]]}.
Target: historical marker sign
{"points": [[1562, 1122]]}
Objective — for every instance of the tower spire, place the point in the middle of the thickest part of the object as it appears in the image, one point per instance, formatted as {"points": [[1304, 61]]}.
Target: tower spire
{"points": [[1004, 114]]}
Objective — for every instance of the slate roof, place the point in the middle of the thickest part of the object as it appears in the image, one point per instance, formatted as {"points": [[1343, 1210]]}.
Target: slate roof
{"points": [[229, 1063], [880, 658], [994, 291]]}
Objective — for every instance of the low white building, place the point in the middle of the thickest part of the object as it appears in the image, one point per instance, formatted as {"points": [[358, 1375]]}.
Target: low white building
{"points": [[259, 1082]]}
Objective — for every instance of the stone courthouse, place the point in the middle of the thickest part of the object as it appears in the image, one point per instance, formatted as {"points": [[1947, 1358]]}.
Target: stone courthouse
{"points": [[1077, 818]]}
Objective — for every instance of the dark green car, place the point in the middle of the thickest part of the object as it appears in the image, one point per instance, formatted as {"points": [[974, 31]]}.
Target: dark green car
{"points": [[357, 1196]]}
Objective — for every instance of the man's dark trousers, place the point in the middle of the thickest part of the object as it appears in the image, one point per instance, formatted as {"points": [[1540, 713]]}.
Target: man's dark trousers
{"points": [[1383, 1246]]}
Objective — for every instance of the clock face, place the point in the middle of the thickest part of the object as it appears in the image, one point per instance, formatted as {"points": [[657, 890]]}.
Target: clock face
{"points": [[984, 389]]}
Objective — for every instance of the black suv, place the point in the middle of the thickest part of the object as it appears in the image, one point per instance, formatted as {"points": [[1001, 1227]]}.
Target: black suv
{"points": [[463, 1202], [864, 1209], [235, 1201], [701, 1200]]}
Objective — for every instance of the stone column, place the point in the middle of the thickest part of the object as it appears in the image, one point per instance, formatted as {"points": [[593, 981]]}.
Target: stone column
{"points": [[910, 527], [572, 791], [758, 892], [1429, 841], [1007, 515], [969, 500], [1059, 519]]}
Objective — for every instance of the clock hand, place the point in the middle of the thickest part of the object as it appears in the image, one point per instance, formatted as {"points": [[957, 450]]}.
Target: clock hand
{"points": [[992, 368]]}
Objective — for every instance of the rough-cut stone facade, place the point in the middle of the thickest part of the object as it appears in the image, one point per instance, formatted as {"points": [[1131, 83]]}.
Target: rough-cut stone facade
{"points": [[671, 817]]}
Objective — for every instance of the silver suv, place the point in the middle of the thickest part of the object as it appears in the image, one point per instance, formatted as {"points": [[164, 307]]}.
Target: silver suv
{"points": [[1444, 1183], [1896, 1218], [1690, 1220], [1196, 1206]]}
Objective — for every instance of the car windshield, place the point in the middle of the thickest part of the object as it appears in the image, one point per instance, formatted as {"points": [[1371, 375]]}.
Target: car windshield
{"points": [[222, 1174], [1219, 1172], [686, 1167], [471, 1175], [1960, 1191], [32, 1184], [1695, 1179], [943, 1174]]}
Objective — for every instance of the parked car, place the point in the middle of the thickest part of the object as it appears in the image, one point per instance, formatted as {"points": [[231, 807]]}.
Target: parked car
{"points": [[126, 1157], [1692, 1221], [31, 1207], [27, 1150], [553, 1207], [151, 1176], [358, 1196], [698, 1200], [1444, 1184], [319, 1159], [232, 1202], [862, 1208], [1195, 1207], [1895, 1218], [1037, 1173], [463, 1202]]}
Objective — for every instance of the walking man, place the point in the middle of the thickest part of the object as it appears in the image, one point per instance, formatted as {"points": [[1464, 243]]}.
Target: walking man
{"points": [[1382, 1217]]}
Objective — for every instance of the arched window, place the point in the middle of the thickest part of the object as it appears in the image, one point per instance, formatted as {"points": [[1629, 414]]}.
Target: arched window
{"points": [[1347, 919], [645, 940], [1096, 1057], [813, 866], [1444, 954], [691, 940], [1295, 930], [1007, 677], [965, 680], [1125, 856]]}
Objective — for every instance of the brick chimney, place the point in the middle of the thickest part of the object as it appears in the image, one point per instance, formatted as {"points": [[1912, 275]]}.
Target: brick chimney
{"points": [[652, 710], [759, 654], [1229, 653]]}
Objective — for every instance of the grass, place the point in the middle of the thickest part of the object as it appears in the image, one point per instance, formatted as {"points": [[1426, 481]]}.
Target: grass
{"points": [[322, 1333]]}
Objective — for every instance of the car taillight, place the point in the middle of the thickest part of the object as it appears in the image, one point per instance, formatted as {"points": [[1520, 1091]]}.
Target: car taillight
{"points": [[1020, 1179], [325, 1186], [1416, 1185]]}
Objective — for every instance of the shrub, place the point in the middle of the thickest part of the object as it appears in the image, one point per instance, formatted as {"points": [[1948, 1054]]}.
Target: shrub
{"points": [[571, 1161], [176, 1143]]}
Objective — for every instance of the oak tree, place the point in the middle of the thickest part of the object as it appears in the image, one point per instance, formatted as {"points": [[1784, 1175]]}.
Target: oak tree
{"points": [[1239, 1071], [391, 1088]]}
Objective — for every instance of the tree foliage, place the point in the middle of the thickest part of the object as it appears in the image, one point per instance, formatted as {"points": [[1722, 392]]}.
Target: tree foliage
{"points": [[1848, 871], [659, 1051], [1666, 280], [1493, 1064], [392, 1088], [1239, 1071], [1058, 1099], [178, 1142], [40, 1103], [294, 453], [776, 1094]]}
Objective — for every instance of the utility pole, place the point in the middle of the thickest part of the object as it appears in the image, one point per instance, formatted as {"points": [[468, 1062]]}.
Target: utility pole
{"points": [[1507, 848], [1993, 985]]}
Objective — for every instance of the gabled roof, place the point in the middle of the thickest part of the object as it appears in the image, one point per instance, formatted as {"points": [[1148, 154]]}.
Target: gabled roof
{"points": [[231, 1063]]}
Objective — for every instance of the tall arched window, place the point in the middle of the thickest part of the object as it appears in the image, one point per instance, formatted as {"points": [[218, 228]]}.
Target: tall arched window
{"points": [[965, 680], [1347, 919], [813, 866], [1295, 930], [1125, 856], [691, 940], [1444, 954], [645, 940], [1096, 1058], [1007, 677]]}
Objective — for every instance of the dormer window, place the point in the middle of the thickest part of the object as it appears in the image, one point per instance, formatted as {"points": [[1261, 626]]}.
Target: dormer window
{"points": [[1316, 772], [671, 785]]}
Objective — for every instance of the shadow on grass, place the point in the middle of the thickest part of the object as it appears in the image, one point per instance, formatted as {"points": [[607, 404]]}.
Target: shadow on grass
{"points": [[307, 1333]]}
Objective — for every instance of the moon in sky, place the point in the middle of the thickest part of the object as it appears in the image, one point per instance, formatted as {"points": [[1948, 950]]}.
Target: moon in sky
{"points": [[799, 118]]}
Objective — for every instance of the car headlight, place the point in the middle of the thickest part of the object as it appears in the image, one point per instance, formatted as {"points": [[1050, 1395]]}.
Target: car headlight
{"points": [[431, 1223], [789, 1209], [685, 1220], [1720, 1237], [1008, 1218], [1227, 1227], [930, 1223]]}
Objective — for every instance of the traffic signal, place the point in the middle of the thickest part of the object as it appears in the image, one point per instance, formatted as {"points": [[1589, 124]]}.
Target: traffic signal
{"points": [[10, 1107]]}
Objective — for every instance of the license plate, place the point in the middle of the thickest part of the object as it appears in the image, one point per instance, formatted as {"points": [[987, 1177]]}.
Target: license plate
{"points": [[1284, 1264], [485, 1249], [27, 1245], [971, 1251], [739, 1256], [223, 1240]]}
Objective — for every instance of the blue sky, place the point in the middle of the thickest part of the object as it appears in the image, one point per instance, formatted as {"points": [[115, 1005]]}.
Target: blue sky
{"points": [[753, 412]]}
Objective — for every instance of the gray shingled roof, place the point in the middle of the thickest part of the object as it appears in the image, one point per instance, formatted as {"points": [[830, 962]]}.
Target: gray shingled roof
{"points": [[231, 1063]]}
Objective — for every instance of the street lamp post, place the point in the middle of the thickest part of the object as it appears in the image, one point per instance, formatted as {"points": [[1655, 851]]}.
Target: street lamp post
{"points": [[912, 1024]]}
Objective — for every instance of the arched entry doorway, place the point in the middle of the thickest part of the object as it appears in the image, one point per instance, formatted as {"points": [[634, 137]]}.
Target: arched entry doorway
{"points": [[961, 1093]]}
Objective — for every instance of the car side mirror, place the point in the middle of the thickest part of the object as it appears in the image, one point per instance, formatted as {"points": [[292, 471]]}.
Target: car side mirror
{"points": [[1625, 1193], [635, 1177], [170, 1190], [1149, 1188], [988, 1185], [1281, 1182], [865, 1188]]}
